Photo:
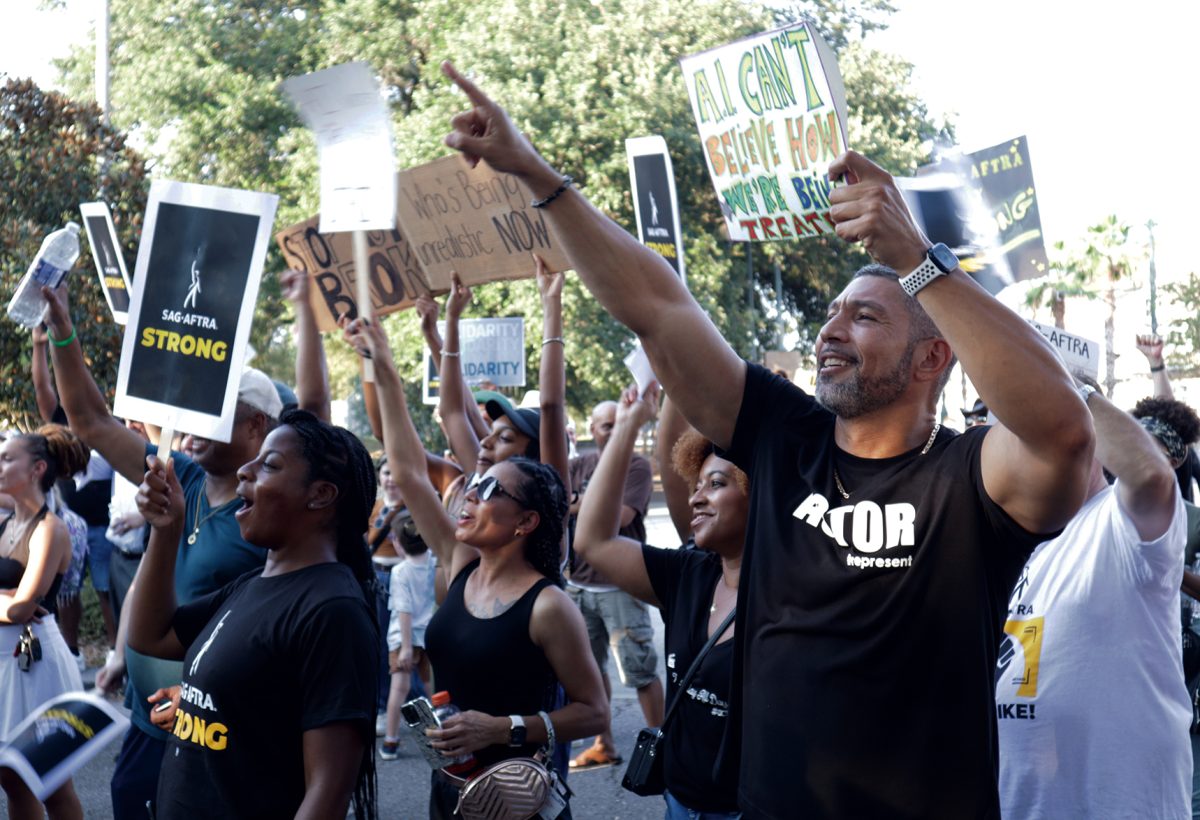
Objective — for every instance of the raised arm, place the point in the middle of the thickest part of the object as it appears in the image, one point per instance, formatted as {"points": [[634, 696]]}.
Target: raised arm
{"points": [[151, 602], [406, 455], [48, 541], [672, 425], [632, 282], [87, 412], [1146, 487], [552, 377], [43, 382], [312, 374], [1151, 346], [1036, 461], [453, 394], [596, 530]]}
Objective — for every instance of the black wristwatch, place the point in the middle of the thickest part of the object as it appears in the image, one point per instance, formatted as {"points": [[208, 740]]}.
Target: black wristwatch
{"points": [[516, 735]]}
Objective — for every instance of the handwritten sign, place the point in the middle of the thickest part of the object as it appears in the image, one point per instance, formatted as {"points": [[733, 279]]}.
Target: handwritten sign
{"points": [[1080, 355], [474, 221], [347, 115], [395, 277], [771, 111]]}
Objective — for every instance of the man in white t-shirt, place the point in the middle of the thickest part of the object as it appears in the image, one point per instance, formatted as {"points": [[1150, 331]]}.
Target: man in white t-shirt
{"points": [[1092, 709]]}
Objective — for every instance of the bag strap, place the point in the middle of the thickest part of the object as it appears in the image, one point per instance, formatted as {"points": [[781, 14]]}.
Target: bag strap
{"points": [[695, 667]]}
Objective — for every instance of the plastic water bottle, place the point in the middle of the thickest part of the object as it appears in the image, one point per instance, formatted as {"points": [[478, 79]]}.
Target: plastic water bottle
{"points": [[443, 708], [54, 260]]}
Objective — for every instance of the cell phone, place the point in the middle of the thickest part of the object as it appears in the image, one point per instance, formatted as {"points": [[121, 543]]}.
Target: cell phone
{"points": [[418, 714], [164, 706]]}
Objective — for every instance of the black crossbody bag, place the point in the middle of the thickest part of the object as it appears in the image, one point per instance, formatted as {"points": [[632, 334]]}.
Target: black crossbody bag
{"points": [[644, 775]]}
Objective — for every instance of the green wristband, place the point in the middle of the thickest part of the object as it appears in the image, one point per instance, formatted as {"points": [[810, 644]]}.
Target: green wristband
{"points": [[64, 342]]}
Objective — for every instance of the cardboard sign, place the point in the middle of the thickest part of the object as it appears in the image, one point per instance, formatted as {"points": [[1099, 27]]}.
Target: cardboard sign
{"points": [[493, 350], [395, 277], [450, 217], [59, 737], [655, 205], [195, 284], [1080, 355], [347, 115], [771, 111], [106, 251]]}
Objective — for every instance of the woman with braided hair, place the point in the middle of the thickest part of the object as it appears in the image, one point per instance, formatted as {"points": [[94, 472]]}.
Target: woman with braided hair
{"points": [[243, 745], [35, 552], [507, 634]]}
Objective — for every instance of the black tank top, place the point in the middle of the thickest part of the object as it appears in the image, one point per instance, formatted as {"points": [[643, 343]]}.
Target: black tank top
{"points": [[12, 570], [490, 664]]}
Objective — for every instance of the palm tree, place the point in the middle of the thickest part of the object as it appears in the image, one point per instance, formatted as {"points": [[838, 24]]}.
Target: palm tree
{"points": [[1068, 276], [1107, 254]]}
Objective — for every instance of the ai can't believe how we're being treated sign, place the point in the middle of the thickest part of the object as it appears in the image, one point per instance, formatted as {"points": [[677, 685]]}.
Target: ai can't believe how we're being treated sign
{"points": [[771, 111]]}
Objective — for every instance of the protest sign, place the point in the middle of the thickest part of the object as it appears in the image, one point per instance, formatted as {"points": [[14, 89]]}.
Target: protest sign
{"points": [[655, 204], [194, 287], [106, 251], [771, 111], [1080, 355], [639, 365], [58, 738], [394, 275], [474, 221], [1003, 174], [493, 350], [347, 115]]}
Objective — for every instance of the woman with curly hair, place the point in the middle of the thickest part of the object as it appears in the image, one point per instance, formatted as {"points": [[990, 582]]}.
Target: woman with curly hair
{"points": [[277, 709], [696, 590], [35, 552], [507, 634]]}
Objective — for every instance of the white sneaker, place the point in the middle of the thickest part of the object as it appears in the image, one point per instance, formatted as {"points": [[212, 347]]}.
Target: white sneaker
{"points": [[380, 725]]}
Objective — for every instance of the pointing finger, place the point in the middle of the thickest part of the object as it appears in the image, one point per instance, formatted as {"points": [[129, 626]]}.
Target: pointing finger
{"points": [[469, 88]]}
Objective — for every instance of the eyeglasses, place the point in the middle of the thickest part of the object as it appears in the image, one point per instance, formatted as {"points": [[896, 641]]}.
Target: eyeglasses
{"points": [[489, 486]]}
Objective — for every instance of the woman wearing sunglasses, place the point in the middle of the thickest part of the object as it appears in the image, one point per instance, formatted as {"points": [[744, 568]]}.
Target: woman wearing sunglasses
{"points": [[506, 635]]}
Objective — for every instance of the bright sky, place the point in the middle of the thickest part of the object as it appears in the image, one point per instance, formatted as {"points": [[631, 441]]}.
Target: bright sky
{"points": [[1102, 90]]}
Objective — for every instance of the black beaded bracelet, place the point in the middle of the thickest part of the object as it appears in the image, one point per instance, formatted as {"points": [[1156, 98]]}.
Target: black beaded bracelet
{"points": [[1158, 369], [567, 181]]}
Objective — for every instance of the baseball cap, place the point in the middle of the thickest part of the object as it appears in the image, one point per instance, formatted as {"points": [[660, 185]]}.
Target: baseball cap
{"points": [[977, 409], [286, 395], [258, 391], [489, 396], [527, 420]]}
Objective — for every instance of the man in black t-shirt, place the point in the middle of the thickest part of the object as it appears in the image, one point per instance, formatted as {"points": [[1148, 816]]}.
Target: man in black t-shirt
{"points": [[880, 550]]}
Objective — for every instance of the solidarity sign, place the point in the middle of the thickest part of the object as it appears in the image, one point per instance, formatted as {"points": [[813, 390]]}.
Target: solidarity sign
{"points": [[771, 110], [196, 280]]}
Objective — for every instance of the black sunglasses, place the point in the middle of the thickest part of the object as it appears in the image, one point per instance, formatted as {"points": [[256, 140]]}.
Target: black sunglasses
{"points": [[489, 486]]}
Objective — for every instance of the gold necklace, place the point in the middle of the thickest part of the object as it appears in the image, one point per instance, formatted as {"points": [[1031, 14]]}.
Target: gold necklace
{"points": [[838, 479], [191, 539]]}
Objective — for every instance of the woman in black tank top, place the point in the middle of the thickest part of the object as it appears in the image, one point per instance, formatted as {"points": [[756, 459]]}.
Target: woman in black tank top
{"points": [[35, 551], [507, 634]]}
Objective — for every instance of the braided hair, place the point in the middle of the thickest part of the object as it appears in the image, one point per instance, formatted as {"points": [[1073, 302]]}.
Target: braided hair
{"points": [[337, 456], [63, 452], [543, 492]]}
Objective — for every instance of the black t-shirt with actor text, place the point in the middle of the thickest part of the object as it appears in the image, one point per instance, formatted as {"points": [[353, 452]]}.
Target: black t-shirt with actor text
{"points": [[268, 659], [683, 581], [868, 626]]}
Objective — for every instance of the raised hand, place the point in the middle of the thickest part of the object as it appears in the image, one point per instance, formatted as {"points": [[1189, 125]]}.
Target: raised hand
{"points": [[58, 317], [39, 334], [428, 310], [871, 210], [459, 298], [368, 339], [635, 411], [1151, 346], [160, 498], [549, 284], [294, 284]]}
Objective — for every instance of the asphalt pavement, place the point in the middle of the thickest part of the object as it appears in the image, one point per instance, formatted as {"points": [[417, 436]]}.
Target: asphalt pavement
{"points": [[404, 782]]}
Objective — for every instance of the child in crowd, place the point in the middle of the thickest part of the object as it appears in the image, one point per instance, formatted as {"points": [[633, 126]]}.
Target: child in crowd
{"points": [[411, 605]]}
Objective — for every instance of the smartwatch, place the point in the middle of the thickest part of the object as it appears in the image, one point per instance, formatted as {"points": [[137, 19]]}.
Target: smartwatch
{"points": [[516, 735], [939, 261]]}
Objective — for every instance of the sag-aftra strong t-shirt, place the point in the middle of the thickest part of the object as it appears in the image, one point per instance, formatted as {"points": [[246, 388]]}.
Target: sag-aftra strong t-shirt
{"points": [[869, 626]]}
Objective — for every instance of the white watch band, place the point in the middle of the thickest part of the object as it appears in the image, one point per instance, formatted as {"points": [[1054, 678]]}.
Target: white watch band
{"points": [[925, 273]]}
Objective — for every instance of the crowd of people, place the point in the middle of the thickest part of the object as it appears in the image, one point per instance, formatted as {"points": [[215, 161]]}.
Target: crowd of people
{"points": [[868, 615]]}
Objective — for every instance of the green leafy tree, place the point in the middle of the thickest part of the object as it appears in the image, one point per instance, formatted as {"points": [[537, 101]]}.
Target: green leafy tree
{"points": [[1183, 335], [54, 154], [1107, 254], [1069, 276]]}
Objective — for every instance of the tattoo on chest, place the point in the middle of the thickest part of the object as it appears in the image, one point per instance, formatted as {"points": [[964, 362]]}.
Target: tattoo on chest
{"points": [[483, 609]]}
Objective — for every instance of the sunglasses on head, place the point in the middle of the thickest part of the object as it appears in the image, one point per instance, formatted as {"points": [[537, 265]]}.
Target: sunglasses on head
{"points": [[489, 486]]}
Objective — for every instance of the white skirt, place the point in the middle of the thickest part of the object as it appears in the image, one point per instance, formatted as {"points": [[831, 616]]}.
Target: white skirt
{"points": [[22, 692]]}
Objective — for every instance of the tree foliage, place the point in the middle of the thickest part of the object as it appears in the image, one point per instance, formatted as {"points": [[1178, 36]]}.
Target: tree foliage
{"points": [[198, 78], [54, 154]]}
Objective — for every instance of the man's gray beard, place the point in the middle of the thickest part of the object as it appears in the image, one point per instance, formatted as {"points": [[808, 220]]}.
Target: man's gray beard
{"points": [[858, 396]]}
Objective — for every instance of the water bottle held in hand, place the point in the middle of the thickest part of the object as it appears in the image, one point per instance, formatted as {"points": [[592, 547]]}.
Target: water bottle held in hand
{"points": [[54, 260], [443, 708]]}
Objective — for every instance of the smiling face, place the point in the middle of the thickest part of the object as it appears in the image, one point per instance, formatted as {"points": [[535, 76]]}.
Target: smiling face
{"points": [[864, 350], [276, 492], [502, 517], [504, 442], [719, 508]]}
